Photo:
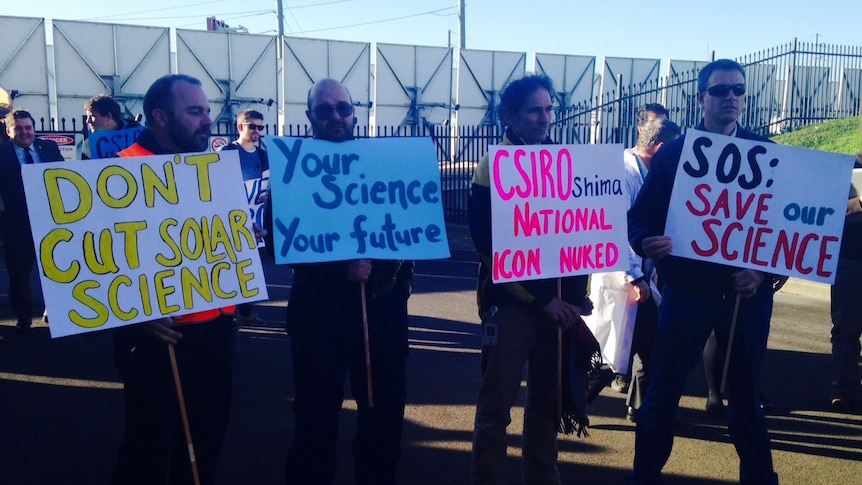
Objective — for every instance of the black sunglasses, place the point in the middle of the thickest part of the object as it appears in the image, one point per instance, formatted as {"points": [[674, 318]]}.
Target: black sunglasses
{"points": [[253, 126], [721, 90], [344, 109]]}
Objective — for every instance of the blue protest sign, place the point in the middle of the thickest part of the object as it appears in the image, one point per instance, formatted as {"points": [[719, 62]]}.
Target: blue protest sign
{"points": [[106, 144], [373, 198]]}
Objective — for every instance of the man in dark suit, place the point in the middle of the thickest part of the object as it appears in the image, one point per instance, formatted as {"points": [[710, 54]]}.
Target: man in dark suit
{"points": [[697, 299], [23, 147]]}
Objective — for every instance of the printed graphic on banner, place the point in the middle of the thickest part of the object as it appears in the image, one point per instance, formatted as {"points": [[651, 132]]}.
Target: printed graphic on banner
{"points": [[558, 210], [372, 198], [761, 206], [255, 193], [127, 240]]}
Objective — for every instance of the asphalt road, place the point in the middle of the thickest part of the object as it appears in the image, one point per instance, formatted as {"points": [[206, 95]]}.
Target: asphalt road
{"points": [[61, 400]]}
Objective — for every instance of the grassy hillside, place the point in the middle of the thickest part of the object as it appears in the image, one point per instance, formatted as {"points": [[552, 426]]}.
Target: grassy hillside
{"points": [[840, 136]]}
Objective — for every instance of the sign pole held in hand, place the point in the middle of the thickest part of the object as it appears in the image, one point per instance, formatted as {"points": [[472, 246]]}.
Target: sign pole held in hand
{"points": [[730, 342], [182, 402], [367, 345], [559, 358]]}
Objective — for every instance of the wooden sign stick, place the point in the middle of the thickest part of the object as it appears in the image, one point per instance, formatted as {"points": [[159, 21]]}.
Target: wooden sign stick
{"points": [[367, 346], [182, 402]]}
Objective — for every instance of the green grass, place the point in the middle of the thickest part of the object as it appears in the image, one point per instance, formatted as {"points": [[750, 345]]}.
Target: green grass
{"points": [[839, 136]]}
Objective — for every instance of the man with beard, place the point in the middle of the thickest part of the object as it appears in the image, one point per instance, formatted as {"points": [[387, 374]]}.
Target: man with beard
{"points": [[697, 298], [153, 450], [253, 162], [324, 320]]}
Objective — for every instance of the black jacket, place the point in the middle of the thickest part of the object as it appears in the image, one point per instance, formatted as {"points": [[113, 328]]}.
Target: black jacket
{"points": [[11, 183]]}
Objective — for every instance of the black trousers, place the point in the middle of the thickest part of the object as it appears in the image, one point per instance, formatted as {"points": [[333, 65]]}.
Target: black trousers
{"points": [[20, 260], [326, 349], [153, 450]]}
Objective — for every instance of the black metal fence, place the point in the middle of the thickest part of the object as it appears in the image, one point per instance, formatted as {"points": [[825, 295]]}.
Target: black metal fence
{"points": [[788, 86], [458, 150]]}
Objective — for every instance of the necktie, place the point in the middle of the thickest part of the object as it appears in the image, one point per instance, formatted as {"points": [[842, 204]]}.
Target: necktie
{"points": [[28, 156]]}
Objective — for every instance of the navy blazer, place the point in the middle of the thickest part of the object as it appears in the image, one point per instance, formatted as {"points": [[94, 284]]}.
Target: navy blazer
{"points": [[11, 183]]}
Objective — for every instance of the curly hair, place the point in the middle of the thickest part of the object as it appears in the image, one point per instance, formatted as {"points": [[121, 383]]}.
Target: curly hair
{"points": [[104, 105], [515, 94]]}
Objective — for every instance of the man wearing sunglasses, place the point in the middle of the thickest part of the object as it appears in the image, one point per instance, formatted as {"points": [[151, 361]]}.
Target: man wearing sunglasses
{"points": [[324, 320], [699, 297], [252, 157], [254, 162]]}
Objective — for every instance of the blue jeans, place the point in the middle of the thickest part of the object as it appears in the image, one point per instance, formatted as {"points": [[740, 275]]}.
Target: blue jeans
{"points": [[846, 327], [686, 318]]}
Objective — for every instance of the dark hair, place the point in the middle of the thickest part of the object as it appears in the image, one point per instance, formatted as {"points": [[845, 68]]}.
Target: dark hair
{"points": [[18, 114], [643, 113], [104, 105], [657, 131], [160, 95], [248, 114], [515, 94], [719, 65]]}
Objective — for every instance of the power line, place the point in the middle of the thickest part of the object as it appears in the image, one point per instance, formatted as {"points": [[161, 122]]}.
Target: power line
{"points": [[431, 12], [290, 10], [307, 5], [175, 7], [226, 15]]}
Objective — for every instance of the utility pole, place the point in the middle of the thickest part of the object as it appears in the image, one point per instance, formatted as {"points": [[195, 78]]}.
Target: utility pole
{"points": [[279, 68], [279, 13], [462, 24]]}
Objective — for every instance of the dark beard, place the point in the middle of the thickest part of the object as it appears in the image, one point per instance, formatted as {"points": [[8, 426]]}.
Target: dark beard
{"points": [[188, 143]]}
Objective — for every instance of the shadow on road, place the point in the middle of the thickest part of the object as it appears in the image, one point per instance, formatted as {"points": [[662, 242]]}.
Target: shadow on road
{"points": [[61, 402]]}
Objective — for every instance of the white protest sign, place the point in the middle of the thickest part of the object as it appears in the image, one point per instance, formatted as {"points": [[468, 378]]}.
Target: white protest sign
{"points": [[126, 240], [757, 205], [558, 210], [372, 198]]}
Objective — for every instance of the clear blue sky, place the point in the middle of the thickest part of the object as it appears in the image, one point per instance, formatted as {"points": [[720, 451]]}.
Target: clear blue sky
{"points": [[622, 28]]}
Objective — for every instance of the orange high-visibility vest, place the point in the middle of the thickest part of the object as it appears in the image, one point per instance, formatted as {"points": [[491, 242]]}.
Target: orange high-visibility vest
{"points": [[136, 150]]}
